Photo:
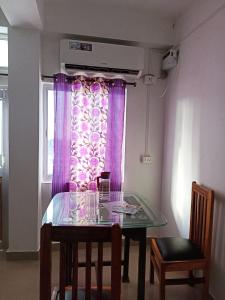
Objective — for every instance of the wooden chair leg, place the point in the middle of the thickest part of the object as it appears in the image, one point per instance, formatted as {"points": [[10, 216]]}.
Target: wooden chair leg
{"points": [[191, 277], [205, 292], [162, 283], [151, 272]]}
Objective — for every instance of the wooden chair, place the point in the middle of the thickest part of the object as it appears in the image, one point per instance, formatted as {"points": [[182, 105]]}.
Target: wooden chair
{"points": [[179, 254], [69, 237]]}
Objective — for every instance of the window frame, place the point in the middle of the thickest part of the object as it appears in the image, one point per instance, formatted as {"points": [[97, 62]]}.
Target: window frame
{"points": [[46, 87], [4, 104], [4, 37], [3, 130]]}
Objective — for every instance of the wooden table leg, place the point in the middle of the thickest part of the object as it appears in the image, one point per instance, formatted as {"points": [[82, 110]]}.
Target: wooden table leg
{"points": [[136, 234], [125, 277], [141, 265]]}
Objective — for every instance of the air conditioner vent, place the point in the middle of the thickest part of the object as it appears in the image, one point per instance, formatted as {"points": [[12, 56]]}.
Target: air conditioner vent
{"points": [[101, 69]]}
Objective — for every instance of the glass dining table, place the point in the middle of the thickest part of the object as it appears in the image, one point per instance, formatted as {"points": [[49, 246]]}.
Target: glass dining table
{"points": [[129, 210]]}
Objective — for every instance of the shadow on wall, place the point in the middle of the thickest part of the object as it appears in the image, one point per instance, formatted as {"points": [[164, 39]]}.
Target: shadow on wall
{"points": [[218, 247]]}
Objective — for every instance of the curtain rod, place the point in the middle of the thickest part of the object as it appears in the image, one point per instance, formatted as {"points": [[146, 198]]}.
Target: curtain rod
{"points": [[52, 77]]}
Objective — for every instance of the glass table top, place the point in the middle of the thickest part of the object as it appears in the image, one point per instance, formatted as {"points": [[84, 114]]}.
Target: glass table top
{"points": [[93, 208]]}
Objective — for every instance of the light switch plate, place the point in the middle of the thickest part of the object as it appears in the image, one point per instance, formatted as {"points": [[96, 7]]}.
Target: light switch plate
{"points": [[146, 159]]}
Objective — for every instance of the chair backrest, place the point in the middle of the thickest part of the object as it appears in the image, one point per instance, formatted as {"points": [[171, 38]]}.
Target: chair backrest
{"points": [[69, 238], [201, 217]]}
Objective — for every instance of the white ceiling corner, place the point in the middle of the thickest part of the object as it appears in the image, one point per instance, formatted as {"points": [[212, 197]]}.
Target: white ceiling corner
{"points": [[27, 13]]}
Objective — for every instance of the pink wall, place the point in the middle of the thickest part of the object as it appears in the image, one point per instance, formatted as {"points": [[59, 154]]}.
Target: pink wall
{"points": [[194, 145]]}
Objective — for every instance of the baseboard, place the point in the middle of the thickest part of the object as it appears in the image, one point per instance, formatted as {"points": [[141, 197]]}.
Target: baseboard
{"points": [[34, 255], [28, 255]]}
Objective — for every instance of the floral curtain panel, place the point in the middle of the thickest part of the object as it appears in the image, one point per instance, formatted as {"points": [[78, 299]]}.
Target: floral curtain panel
{"points": [[88, 133]]}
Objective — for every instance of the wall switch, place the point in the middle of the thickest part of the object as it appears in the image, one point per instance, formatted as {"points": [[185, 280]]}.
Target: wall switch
{"points": [[146, 159]]}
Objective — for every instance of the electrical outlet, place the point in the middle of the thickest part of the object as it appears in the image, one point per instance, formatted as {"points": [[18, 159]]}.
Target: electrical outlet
{"points": [[146, 159]]}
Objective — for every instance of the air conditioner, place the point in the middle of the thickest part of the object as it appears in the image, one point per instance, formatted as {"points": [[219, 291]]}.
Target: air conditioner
{"points": [[100, 59], [169, 60]]}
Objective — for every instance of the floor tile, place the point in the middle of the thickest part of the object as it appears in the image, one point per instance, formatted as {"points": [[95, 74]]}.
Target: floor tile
{"points": [[19, 280]]}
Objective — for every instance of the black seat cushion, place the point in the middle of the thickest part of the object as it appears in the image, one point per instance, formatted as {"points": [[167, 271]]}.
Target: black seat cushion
{"points": [[173, 248]]}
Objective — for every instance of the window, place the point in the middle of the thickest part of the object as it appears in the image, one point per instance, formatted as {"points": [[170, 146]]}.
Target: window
{"points": [[4, 53], [3, 49], [3, 98], [3, 89], [48, 106], [48, 132]]}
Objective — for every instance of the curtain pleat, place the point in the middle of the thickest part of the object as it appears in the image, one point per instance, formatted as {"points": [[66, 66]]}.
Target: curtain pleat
{"points": [[61, 164], [115, 129]]}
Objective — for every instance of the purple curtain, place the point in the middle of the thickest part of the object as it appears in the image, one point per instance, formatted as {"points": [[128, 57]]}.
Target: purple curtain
{"points": [[61, 165], [115, 128]]}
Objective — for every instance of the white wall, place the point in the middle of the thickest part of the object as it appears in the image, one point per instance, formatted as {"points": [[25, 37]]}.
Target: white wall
{"points": [[107, 22], [50, 54], [24, 61], [199, 13], [194, 147], [141, 178], [40, 7]]}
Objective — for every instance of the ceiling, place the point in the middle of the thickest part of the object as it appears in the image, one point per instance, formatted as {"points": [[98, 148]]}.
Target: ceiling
{"points": [[31, 12], [165, 8]]}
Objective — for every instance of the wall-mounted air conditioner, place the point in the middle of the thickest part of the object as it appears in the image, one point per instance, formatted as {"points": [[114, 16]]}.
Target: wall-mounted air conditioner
{"points": [[169, 60], [109, 60]]}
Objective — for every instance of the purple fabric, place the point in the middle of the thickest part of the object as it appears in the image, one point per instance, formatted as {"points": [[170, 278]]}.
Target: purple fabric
{"points": [[89, 111], [79, 150], [61, 165], [115, 128]]}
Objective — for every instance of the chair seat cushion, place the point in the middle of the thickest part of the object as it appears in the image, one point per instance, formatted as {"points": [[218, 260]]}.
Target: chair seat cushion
{"points": [[106, 295], [173, 248]]}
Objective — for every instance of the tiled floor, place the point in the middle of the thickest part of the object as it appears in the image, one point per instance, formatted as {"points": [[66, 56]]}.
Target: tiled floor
{"points": [[19, 281]]}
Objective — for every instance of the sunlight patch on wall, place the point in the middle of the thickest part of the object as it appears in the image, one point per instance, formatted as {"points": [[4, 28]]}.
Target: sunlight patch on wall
{"points": [[185, 163]]}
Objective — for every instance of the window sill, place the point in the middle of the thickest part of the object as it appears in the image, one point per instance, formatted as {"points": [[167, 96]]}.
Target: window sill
{"points": [[46, 182]]}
